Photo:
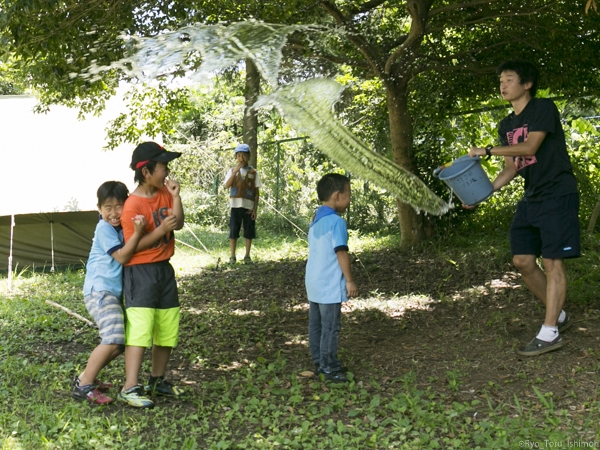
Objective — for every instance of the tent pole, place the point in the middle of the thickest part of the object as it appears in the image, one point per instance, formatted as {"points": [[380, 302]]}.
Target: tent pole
{"points": [[12, 226], [52, 245]]}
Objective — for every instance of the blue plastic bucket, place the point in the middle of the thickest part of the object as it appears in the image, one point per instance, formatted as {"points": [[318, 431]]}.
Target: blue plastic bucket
{"points": [[467, 179]]}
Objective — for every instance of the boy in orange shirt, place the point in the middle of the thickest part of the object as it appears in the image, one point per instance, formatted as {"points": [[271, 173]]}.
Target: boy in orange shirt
{"points": [[151, 299]]}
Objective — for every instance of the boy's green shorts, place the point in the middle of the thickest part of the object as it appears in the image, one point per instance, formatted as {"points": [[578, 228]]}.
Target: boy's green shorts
{"points": [[147, 326]]}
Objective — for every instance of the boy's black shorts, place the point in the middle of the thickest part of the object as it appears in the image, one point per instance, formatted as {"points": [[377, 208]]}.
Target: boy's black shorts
{"points": [[239, 217], [549, 228], [150, 285]]}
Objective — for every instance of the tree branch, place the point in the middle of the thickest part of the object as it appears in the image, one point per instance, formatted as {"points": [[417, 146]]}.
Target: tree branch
{"points": [[396, 43], [458, 6], [443, 64], [418, 10], [475, 21], [78, 12], [370, 52], [366, 7], [298, 45], [71, 313]]}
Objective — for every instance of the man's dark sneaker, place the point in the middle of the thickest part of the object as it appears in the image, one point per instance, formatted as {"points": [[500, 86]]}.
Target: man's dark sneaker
{"points": [[160, 386], [232, 260], [336, 377], [538, 347], [565, 324], [247, 259], [90, 393], [135, 397]]}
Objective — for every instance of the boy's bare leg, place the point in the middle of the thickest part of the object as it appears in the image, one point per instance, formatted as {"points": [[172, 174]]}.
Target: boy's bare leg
{"points": [[248, 245], [133, 363], [100, 357], [160, 359], [232, 246]]}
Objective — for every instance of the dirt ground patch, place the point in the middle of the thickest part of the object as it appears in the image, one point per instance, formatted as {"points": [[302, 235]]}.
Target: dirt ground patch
{"points": [[453, 321]]}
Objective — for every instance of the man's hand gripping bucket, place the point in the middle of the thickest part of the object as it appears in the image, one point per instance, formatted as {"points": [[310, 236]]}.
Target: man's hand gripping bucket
{"points": [[467, 179]]}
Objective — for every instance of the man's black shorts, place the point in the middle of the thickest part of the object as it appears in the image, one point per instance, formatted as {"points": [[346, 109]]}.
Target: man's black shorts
{"points": [[239, 217], [549, 228]]}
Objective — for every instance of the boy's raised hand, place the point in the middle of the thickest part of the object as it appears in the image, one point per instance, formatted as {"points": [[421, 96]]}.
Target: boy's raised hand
{"points": [[139, 224], [169, 223], [173, 187]]}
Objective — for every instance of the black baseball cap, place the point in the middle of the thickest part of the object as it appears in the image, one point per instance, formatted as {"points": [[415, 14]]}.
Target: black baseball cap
{"points": [[151, 151]]}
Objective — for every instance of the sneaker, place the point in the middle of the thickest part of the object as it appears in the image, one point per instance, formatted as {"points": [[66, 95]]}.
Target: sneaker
{"points": [[100, 385], [318, 369], [565, 324], [160, 386], [336, 377], [538, 347], [135, 397], [90, 393], [247, 259], [232, 260]]}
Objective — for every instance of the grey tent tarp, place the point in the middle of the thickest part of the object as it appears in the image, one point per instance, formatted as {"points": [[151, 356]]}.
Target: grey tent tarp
{"points": [[45, 240]]}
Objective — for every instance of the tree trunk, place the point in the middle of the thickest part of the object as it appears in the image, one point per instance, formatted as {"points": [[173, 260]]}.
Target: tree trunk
{"points": [[401, 136], [250, 122], [594, 217]]}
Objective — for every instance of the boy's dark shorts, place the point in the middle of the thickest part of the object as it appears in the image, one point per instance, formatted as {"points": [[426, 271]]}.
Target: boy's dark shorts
{"points": [[150, 286], [549, 228], [239, 217]]}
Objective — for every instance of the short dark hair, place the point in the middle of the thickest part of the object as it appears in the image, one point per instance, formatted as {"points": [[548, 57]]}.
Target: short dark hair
{"points": [[331, 183], [112, 189], [526, 71], [138, 176]]}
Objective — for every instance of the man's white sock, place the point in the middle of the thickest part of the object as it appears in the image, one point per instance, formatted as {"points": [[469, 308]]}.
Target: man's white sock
{"points": [[548, 334]]}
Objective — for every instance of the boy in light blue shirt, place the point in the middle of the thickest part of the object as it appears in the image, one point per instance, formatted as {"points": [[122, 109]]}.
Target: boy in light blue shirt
{"points": [[328, 275], [103, 288]]}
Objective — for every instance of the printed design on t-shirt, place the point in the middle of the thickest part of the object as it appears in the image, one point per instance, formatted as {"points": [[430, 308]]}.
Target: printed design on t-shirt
{"points": [[515, 137], [159, 216]]}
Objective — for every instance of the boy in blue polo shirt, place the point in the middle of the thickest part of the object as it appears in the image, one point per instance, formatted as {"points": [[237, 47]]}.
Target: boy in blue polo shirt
{"points": [[103, 288], [328, 276]]}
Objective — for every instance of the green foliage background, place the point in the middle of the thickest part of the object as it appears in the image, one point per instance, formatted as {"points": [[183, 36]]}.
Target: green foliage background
{"points": [[209, 129], [448, 72]]}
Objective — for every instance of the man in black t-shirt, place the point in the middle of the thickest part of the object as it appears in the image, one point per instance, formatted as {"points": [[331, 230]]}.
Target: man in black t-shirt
{"points": [[546, 222]]}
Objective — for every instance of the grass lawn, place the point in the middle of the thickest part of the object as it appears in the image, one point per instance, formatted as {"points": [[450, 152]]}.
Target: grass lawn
{"points": [[429, 345]]}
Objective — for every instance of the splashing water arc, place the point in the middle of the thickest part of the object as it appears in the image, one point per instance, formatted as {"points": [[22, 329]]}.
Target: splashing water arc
{"points": [[307, 105], [308, 108], [220, 47]]}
